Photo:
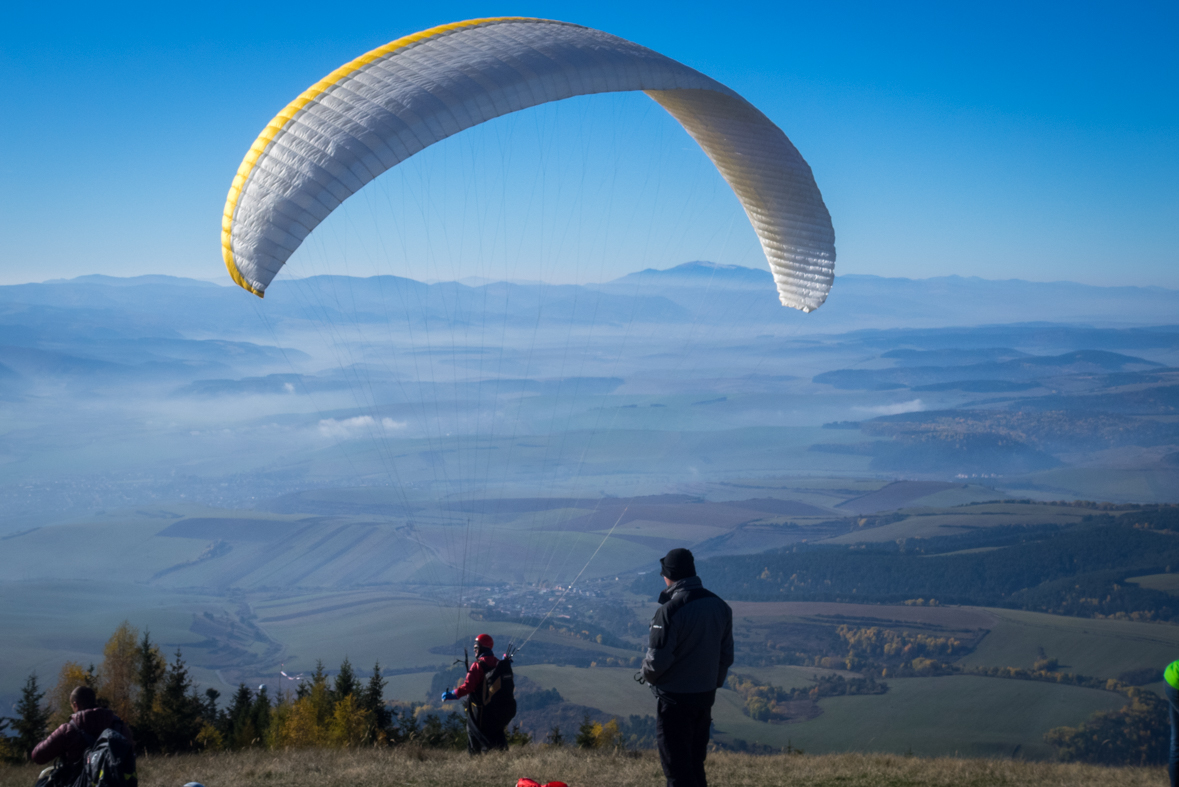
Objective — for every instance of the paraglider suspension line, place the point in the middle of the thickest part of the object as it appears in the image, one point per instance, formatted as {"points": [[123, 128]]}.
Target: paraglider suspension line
{"points": [[569, 587]]}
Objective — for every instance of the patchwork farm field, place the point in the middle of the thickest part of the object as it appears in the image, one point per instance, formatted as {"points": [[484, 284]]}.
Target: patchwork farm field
{"points": [[325, 576]]}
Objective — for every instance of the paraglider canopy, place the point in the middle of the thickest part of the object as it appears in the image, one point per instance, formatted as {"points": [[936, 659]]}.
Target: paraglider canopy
{"points": [[378, 110]]}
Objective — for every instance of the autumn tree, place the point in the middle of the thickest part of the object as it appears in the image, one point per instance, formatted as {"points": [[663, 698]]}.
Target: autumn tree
{"points": [[120, 671], [350, 724], [297, 725], [1137, 734], [71, 676], [608, 735], [319, 695], [304, 723]]}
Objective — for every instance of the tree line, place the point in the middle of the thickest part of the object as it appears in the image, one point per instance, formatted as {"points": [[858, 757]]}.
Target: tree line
{"points": [[159, 700], [167, 713]]}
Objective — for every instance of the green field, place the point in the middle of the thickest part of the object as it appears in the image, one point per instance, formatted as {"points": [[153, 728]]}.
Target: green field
{"points": [[46, 623], [1087, 646], [1167, 583], [1146, 485], [933, 522], [958, 715], [611, 690], [92, 550], [972, 716]]}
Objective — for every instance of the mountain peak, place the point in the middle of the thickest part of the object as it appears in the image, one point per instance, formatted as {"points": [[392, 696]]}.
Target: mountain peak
{"points": [[702, 272]]}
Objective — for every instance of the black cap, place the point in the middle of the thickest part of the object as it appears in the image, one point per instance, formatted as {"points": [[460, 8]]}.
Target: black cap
{"points": [[678, 564]]}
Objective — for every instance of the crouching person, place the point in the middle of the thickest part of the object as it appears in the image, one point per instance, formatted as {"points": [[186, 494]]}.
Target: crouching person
{"points": [[689, 653], [69, 743], [484, 733]]}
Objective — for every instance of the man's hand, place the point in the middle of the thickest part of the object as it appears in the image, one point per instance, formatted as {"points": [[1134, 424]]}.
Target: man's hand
{"points": [[448, 695]]}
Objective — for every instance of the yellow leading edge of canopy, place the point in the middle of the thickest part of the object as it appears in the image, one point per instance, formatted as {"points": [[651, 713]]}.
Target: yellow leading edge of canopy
{"points": [[282, 118]]}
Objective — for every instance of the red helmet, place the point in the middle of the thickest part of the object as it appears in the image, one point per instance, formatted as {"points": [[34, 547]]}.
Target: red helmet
{"points": [[485, 641]]}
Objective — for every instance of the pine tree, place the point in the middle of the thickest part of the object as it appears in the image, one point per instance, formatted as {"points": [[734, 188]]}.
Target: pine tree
{"points": [[32, 721], [454, 732], [555, 738], [586, 739], [237, 719], [151, 668], [373, 700], [260, 717], [179, 719], [319, 695], [518, 737], [346, 683], [209, 710], [408, 728]]}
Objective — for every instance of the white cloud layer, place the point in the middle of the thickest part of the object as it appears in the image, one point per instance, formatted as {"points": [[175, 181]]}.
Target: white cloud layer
{"points": [[347, 428], [911, 406]]}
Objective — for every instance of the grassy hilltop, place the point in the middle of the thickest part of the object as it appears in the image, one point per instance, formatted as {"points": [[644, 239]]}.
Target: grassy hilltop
{"points": [[412, 766]]}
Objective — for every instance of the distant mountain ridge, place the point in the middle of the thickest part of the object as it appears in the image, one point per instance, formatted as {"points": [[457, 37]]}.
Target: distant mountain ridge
{"points": [[700, 273], [696, 292]]}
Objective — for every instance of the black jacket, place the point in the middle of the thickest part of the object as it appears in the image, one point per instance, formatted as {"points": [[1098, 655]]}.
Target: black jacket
{"points": [[691, 643]]}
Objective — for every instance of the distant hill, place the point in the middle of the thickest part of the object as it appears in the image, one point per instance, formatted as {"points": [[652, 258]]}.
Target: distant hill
{"points": [[858, 300], [695, 292], [701, 274], [134, 281], [970, 377]]}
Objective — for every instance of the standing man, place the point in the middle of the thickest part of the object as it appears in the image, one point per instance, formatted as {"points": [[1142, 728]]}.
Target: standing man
{"points": [[482, 733], [688, 656]]}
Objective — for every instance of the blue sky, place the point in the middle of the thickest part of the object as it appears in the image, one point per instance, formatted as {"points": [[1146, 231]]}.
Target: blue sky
{"points": [[1017, 140]]}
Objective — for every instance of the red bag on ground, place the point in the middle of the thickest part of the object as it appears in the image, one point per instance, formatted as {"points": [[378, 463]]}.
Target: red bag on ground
{"points": [[534, 783]]}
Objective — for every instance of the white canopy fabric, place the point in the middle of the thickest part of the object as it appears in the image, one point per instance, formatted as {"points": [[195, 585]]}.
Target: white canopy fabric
{"points": [[380, 109]]}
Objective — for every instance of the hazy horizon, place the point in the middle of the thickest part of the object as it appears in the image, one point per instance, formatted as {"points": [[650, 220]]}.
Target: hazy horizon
{"points": [[225, 281]]}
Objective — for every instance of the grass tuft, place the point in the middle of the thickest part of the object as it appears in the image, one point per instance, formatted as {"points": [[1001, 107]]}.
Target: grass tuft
{"points": [[410, 765]]}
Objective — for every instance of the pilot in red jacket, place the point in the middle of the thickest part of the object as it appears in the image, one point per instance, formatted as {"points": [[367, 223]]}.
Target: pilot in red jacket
{"points": [[479, 739]]}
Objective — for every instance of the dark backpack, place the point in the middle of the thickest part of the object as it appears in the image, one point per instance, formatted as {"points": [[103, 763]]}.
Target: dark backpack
{"points": [[499, 696], [109, 760]]}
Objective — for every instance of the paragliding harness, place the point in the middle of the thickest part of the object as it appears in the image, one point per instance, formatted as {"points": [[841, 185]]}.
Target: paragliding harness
{"points": [[109, 761], [498, 695]]}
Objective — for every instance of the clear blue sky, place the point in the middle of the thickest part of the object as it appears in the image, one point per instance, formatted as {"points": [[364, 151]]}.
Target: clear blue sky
{"points": [[1017, 140]]}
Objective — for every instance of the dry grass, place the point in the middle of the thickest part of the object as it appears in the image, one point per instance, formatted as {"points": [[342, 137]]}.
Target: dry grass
{"points": [[411, 766]]}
